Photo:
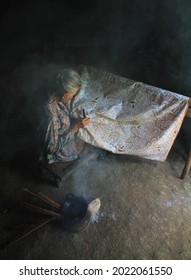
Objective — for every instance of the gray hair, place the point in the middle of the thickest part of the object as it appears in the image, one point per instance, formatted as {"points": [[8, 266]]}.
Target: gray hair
{"points": [[65, 81]]}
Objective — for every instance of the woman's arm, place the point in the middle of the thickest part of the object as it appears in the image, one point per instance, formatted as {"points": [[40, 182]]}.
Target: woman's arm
{"points": [[57, 128]]}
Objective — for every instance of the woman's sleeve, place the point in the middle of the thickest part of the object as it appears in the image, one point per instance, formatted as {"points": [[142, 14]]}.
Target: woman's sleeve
{"points": [[58, 132], [67, 137], [52, 129]]}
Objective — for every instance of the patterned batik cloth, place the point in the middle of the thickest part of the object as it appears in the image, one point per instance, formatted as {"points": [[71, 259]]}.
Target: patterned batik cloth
{"points": [[128, 117], [60, 142]]}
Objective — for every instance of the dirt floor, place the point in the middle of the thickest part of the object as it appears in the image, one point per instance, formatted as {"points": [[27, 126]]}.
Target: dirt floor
{"points": [[145, 210]]}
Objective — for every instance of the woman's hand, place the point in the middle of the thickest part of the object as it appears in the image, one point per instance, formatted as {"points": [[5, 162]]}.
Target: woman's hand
{"points": [[85, 122], [82, 123]]}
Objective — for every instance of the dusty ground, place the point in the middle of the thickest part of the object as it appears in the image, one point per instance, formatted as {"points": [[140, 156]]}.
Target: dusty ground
{"points": [[145, 211]]}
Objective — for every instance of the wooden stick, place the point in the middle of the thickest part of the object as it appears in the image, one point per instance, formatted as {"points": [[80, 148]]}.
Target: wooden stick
{"points": [[44, 198], [30, 231], [189, 102], [50, 200], [41, 210], [186, 167], [27, 233]]}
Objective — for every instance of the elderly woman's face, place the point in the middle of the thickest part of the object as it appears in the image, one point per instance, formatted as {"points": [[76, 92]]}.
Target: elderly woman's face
{"points": [[70, 95]]}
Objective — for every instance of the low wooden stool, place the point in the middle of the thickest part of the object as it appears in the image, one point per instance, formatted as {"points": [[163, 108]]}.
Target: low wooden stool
{"points": [[58, 169]]}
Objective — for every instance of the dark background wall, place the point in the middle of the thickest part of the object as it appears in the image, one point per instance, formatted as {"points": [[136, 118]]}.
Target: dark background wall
{"points": [[145, 40]]}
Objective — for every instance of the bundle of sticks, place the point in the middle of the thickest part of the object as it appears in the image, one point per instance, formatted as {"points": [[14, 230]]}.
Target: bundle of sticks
{"points": [[54, 214]]}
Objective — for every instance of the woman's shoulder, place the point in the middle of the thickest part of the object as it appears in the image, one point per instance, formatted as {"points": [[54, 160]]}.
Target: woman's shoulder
{"points": [[50, 103], [49, 108]]}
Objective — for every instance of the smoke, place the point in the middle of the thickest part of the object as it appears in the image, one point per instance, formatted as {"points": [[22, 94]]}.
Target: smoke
{"points": [[81, 185]]}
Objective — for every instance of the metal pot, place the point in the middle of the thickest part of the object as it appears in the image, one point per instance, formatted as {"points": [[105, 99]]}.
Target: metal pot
{"points": [[74, 207], [75, 214]]}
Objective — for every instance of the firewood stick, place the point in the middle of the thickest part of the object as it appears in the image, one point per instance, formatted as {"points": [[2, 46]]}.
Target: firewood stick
{"points": [[3, 246], [50, 200], [41, 210], [32, 230], [44, 198]]}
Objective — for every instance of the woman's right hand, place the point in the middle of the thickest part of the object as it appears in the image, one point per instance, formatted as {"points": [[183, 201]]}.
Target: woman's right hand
{"points": [[85, 122], [82, 123]]}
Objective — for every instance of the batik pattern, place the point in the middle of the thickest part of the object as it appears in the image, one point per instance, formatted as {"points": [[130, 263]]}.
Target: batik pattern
{"points": [[128, 117]]}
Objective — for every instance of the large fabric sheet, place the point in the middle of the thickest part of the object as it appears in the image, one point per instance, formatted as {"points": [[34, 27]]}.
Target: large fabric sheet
{"points": [[128, 117]]}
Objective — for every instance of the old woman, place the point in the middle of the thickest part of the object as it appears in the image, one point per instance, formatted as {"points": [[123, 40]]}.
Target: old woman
{"points": [[61, 143]]}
